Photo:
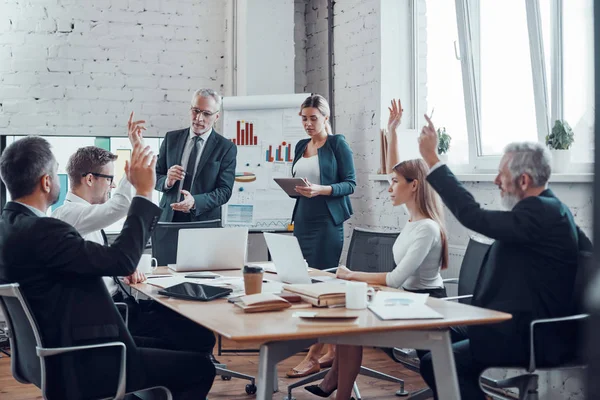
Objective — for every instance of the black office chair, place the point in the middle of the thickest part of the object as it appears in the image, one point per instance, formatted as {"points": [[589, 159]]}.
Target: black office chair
{"points": [[166, 235], [369, 251], [467, 278], [527, 383], [469, 270], [28, 354]]}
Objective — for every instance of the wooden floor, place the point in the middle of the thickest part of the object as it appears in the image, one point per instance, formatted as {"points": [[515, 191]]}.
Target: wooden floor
{"points": [[248, 363]]}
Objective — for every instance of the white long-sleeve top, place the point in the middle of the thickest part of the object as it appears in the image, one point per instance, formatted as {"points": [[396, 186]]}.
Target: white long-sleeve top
{"points": [[89, 219], [418, 256]]}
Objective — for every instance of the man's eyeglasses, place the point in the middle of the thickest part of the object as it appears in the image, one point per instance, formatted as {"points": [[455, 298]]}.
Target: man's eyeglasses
{"points": [[97, 175], [205, 114]]}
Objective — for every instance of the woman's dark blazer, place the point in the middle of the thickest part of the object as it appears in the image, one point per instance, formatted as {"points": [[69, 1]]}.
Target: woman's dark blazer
{"points": [[336, 165]]}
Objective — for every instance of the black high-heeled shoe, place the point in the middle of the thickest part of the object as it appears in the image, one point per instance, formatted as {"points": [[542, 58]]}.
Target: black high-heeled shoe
{"points": [[317, 391]]}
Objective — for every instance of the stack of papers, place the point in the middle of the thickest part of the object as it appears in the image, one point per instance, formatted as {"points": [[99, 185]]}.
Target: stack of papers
{"points": [[402, 305]]}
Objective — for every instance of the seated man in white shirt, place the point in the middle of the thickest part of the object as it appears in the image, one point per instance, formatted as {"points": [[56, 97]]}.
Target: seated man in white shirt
{"points": [[89, 209]]}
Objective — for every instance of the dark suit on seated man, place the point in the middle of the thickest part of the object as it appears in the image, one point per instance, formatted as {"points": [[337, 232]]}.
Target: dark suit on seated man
{"points": [[61, 277], [197, 163], [528, 272]]}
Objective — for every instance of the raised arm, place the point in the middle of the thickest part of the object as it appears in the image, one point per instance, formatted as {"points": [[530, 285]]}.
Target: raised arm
{"points": [[70, 253], [91, 218], [393, 156]]}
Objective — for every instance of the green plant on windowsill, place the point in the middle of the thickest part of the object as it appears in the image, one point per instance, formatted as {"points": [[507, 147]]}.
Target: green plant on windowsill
{"points": [[443, 141], [561, 137]]}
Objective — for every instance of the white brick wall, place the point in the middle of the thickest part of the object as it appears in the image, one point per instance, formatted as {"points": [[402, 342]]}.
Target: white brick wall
{"points": [[300, 39], [70, 67], [317, 75]]}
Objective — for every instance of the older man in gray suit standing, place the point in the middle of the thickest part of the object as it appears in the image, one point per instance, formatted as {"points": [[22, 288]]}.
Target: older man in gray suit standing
{"points": [[196, 165]]}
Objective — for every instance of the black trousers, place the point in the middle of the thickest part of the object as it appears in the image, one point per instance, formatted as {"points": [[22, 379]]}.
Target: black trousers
{"points": [[467, 369], [187, 375], [155, 326]]}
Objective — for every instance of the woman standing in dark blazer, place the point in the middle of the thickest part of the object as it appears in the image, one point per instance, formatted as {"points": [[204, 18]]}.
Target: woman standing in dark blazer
{"points": [[325, 161]]}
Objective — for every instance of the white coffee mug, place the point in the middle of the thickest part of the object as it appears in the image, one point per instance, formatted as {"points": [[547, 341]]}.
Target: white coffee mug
{"points": [[147, 264], [356, 295]]}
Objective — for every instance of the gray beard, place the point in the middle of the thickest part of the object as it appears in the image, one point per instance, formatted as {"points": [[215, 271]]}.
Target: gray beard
{"points": [[509, 201]]}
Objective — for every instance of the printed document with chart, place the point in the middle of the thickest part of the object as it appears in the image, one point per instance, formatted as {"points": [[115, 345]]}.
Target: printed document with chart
{"points": [[402, 305]]}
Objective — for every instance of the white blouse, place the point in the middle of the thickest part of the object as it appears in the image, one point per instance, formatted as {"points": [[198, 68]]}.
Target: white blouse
{"points": [[418, 257], [308, 167]]}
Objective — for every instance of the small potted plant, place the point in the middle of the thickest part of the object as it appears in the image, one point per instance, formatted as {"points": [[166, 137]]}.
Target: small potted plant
{"points": [[443, 144], [559, 141]]}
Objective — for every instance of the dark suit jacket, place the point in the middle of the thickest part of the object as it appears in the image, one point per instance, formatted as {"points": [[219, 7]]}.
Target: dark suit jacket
{"points": [[60, 275], [214, 178], [528, 272], [336, 165]]}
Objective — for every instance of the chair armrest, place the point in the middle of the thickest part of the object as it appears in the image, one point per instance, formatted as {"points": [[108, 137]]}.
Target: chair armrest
{"points": [[123, 306], [48, 352], [576, 317], [450, 280], [451, 298]]}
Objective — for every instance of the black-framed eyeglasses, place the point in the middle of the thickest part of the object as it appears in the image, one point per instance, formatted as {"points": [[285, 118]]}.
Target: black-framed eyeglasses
{"points": [[205, 114], [97, 175]]}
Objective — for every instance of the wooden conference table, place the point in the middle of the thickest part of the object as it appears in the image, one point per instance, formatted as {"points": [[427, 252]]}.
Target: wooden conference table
{"points": [[282, 335]]}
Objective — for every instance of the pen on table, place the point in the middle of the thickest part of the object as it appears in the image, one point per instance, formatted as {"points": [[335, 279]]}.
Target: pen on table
{"points": [[159, 276]]}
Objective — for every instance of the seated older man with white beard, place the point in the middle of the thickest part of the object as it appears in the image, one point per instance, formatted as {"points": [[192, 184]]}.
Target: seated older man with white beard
{"points": [[528, 272]]}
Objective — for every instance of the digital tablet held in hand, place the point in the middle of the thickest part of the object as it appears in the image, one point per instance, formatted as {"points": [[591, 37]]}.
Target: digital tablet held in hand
{"points": [[289, 185], [195, 291]]}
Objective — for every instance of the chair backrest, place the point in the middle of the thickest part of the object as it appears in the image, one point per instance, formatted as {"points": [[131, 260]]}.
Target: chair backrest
{"points": [[24, 335], [470, 267], [166, 235], [585, 273], [371, 251]]}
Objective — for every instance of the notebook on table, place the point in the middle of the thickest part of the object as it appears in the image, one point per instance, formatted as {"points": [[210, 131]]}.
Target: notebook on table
{"points": [[262, 302], [319, 294]]}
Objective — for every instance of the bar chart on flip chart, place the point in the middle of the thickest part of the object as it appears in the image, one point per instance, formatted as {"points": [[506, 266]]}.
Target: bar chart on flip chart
{"points": [[265, 130]]}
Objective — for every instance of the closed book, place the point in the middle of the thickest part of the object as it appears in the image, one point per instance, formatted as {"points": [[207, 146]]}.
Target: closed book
{"points": [[319, 294], [262, 302]]}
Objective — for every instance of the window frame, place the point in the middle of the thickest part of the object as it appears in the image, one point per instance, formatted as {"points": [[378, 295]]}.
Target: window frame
{"points": [[548, 106]]}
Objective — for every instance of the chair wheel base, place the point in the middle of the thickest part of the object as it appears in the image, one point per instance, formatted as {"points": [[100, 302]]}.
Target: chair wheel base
{"points": [[225, 377], [250, 389], [402, 393]]}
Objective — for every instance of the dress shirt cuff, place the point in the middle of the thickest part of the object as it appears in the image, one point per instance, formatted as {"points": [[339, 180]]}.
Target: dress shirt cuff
{"points": [[167, 187], [436, 166], [144, 197]]}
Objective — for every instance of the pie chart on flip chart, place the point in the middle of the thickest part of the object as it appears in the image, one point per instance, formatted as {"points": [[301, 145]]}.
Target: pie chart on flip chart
{"points": [[245, 177]]}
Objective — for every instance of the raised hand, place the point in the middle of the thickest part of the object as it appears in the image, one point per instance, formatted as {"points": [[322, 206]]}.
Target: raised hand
{"points": [[428, 142], [134, 130], [141, 170], [396, 111]]}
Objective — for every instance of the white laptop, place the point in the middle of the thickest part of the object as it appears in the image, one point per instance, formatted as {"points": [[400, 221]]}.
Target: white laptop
{"points": [[210, 249], [289, 262]]}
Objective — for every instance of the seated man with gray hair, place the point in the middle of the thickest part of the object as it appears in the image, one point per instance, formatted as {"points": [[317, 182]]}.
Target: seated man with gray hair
{"points": [[528, 272]]}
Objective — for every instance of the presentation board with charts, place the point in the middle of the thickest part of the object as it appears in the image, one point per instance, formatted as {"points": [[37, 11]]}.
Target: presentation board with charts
{"points": [[265, 130]]}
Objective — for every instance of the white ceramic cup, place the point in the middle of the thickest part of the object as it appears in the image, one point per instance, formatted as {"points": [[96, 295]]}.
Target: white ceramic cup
{"points": [[147, 264], [356, 295]]}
